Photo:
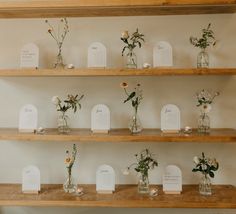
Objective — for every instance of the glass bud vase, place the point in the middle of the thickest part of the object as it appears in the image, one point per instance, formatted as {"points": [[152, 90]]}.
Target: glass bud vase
{"points": [[135, 125], [63, 126], [69, 186], [131, 60], [203, 59], [59, 60], [205, 185], [204, 123], [143, 184]]}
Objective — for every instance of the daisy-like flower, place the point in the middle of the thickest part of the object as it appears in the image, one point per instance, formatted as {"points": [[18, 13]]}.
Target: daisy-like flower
{"points": [[124, 85], [206, 108]]}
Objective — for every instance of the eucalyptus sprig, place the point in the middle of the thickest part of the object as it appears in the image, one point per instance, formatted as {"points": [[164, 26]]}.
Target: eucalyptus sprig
{"points": [[207, 39], [131, 42]]}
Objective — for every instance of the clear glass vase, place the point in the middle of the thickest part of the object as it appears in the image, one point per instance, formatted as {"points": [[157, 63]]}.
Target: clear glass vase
{"points": [[69, 186], [59, 64], [131, 60], [203, 59], [143, 184], [63, 125], [204, 123], [135, 125], [205, 185]]}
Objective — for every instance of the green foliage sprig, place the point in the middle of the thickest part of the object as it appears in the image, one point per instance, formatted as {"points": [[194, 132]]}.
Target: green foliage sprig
{"points": [[72, 102], [207, 39], [206, 166], [145, 162], [131, 42]]}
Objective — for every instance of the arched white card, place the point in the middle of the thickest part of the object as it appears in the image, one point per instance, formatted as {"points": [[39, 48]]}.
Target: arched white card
{"points": [[28, 118], [105, 179], [100, 119], [172, 180], [29, 56], [97, 55], [31, 180], [170, 119], [162, 55]]}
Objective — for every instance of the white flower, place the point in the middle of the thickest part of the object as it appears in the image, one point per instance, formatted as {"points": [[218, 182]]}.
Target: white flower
{"points": [[196, 160], [126, 171], [125, 35], [206, 108], [55, 100]]}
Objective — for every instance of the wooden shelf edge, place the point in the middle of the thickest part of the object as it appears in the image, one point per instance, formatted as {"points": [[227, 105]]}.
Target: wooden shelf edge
{"points": [[121, 136], [96, 72], [125, 196], [93, 8]]}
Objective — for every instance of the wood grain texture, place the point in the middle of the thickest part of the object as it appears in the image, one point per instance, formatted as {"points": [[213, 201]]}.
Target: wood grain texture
{"points": [[80, 72], [122, 135], [126, 196], [89, 8]]}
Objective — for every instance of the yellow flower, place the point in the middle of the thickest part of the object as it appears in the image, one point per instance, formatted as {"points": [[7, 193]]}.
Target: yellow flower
{"points": [[124, 85], [67, 160]]}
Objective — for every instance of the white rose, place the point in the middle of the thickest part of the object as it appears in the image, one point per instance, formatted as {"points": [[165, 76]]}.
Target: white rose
{"points": [[196, 160], [56, 101], [206, 108], [125, 35]]}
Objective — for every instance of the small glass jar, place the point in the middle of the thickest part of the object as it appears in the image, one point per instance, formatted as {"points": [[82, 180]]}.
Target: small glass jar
{"points": [[143, 184], [69, 186], [203, 59], [135, 125], [131, 59], [63, 126], [204, 123], [205, 185]]}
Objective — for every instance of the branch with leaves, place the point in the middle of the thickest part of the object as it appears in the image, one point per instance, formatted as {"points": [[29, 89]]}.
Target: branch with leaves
{"points": [[72, 102], [207, 39]]}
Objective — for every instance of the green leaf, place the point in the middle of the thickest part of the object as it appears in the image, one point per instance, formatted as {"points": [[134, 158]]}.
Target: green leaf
{"points": [[132, 95]]}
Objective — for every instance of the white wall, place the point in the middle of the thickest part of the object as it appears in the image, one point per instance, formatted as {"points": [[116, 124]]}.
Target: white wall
{"points": [[49, 156]]}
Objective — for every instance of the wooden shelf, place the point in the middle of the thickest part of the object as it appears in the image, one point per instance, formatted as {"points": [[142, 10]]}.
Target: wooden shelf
{"points": [[86, 72], [126, 196], [89, 8], [121, 135]]}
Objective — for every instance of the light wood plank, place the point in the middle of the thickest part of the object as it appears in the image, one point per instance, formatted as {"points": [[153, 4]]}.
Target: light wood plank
{"points": [[126, 196], [121, 135], [80, 72], [87, 8]]}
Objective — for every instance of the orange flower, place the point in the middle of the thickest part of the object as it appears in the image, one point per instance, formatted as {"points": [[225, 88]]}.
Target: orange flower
{"points": [[124, 85], [67, 160]]}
